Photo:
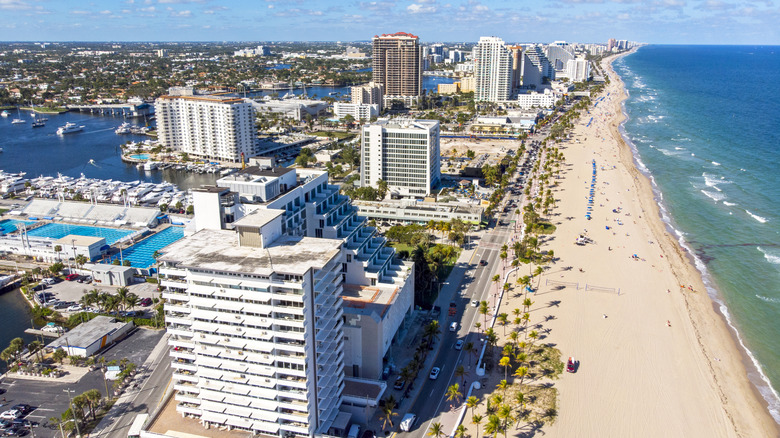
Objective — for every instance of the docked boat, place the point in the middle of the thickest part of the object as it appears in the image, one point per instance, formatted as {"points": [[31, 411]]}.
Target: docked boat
{"points": [[5, 114], [124, 128], [18, 121], [38, 123], [69, 128]]}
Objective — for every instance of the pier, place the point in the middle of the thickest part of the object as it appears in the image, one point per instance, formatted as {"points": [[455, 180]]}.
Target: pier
{"points": [[35, 332], [116, 109]]}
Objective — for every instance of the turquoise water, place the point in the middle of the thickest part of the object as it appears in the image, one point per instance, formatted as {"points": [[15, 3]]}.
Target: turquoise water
{"points": [[704, 122], [140, 254], [140, 156], [11, 225], [57, 231]]}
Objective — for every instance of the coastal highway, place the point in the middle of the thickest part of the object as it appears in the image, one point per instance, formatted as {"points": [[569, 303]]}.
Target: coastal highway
{"points": [[477, 285], [152, 380]]}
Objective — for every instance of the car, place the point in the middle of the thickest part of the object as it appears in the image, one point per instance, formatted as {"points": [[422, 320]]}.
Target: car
{"points": [[24, 407], [434, 373], [72, 277], [75, 308], [459, 344], [571, 365], [474, 303], [399, 383], [22, 423], [88, 279], [483, 262], [454, 326], [11, 431], [146, 302], [11, 414], [50, 281]]}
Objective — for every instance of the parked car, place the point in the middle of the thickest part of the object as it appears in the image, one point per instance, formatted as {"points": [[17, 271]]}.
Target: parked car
{"points": [[25, 408], [11, 414], [75, 308], [88, 279], [434, 373], [146, 302], [72, 277], [399, 383], [50, 281], [474, 303]]}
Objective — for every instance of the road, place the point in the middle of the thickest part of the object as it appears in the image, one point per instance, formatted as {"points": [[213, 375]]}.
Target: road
{"points": [[476, 285], [154, 378]]}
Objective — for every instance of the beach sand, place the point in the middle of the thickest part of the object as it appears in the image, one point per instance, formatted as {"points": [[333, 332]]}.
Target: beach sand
{"points": [[655, 357], [638, 375]]}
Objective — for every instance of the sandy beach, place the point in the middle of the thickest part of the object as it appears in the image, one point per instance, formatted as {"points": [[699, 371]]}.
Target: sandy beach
{"points": [[655, 357]]}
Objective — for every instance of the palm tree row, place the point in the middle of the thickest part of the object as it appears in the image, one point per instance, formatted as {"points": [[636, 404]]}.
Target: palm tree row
{"points": [[106, 302]]}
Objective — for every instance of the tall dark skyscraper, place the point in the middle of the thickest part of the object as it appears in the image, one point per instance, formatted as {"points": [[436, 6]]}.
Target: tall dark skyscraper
{"points": [[398, 66]]}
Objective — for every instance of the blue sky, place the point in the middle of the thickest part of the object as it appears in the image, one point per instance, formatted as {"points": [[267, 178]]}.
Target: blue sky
{"points": [[653, 21]]}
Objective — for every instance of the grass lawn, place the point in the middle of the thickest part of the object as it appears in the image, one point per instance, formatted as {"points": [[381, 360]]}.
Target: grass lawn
{"points": [[46, 110]]}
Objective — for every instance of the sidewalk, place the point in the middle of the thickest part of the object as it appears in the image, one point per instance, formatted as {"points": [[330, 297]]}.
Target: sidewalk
{"points": [[448, 291]]}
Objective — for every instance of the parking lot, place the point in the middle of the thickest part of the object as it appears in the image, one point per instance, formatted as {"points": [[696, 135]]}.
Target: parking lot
{"points": [[71, 292], [50, 398]]}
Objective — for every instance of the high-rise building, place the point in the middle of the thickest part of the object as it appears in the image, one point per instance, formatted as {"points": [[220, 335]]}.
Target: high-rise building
{"points": [[536, 67], [369, 94], [578, 70], [402, 152], [492, 70], [611, 43], [212, 127], [271, 321], [559, 55], [397, 66]]}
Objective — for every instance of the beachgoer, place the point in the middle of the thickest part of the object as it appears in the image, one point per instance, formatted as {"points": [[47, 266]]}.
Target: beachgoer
{"points": [[668, 324]]}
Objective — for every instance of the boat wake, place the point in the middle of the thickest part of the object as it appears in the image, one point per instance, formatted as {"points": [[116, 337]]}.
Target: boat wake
{"points": [[761, 219]]}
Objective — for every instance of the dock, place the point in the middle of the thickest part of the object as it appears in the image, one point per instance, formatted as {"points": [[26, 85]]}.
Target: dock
{"points": [[30, 331], [117, 109]]}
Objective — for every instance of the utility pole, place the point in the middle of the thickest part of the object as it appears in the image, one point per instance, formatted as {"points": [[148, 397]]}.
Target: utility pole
{"points": [[73, 411]]}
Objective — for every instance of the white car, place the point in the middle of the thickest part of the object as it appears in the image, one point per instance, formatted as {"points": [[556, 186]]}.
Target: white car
{"points": [[13, 414], [434, 373], [75, 308], [459, 344], [49, 281]]}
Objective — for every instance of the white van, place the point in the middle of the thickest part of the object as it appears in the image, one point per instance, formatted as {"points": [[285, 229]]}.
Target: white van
{"points": [[454, 327], [408, 422]]}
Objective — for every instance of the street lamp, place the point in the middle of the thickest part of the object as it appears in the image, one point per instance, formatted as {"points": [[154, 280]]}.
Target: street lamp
{"points": [[73, 411]]}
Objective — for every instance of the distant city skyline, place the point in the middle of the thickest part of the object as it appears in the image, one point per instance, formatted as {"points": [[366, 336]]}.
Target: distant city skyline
{"points": [[586, 21]]}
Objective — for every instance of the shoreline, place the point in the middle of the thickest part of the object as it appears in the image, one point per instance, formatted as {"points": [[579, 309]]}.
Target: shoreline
{"points": [[761, 383], [663, 228], [659, 351]]}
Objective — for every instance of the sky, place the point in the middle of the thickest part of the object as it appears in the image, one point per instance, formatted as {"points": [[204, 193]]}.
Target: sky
{"points": [[584, 21]]}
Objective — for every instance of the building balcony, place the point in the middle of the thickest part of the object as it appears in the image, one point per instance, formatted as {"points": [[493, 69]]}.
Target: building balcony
{"points": [[184, 398], [189, 408], [184, 333], [185, 376], [183, 354], [183, 365]]}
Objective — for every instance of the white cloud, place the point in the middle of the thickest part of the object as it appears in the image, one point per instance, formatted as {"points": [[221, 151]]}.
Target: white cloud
{"points": [[182, 14], [14, 5], [106, 12], [79, 12], [415, 8]]}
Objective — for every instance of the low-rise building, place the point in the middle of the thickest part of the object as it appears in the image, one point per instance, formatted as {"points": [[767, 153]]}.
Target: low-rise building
{"points": [[448, 88], [410, 211], [359, 111], [538, 100], [90, 337]]}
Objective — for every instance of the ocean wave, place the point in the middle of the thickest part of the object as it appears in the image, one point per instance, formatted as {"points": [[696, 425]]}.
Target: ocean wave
{"points": [[715, 196], [771, 258], [677, 148], [767, 299], [681, 139], [668, 153], [730, 204], [712, 181], [715, 163], [763, 220]]}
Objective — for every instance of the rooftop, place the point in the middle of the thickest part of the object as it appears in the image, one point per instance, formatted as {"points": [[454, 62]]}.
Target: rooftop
{"points": [[218, 250], [406, 123], [365, 300], [255, 173], [258, 218], [89, 332], [76, 240], [205, 98]]}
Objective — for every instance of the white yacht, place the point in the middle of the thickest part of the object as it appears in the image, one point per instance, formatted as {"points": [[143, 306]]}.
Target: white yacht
{"points": [[5, 113], [69, 128], [18, 121], [124, 128]]}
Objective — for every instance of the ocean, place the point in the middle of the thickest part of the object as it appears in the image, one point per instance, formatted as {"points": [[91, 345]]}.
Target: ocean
{"points": [[703, 122]]}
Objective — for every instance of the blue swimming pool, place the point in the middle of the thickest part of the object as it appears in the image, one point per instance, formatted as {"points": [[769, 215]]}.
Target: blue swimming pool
{"points": [[57, 231], [140, 254], [140, 156], [11, 225]]}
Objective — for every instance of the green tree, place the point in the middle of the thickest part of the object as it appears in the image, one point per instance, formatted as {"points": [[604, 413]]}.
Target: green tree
{"points": [[59, 355], [388, 412], [453, 393], [472, 402], [476, 420], [436, 430], [521, 372], [505, 362], [461, 373]]}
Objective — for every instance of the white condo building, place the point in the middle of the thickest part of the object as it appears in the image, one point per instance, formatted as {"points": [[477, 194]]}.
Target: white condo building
{"points": [[492, 70], [359, 111], [402, 152], [281, 305], [211, 127], [578, 70]]}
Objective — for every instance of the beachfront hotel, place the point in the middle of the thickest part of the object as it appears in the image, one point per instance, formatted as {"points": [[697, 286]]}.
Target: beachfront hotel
{"points": [[492, 70], [402, 152], [210, 127], [398, 66], [281, 305]]}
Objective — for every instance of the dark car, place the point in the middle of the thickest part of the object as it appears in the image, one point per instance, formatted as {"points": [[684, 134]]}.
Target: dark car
{"points": [[25, 408], [146, 302], [399, 383], [483, 262]]}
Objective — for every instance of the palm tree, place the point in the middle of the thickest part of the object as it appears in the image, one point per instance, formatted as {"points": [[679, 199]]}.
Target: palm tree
{"points": [[435, 430], [80, 260], [131, 301], [527, 303], [521, 372], [460, 371], [505, 413], [503, 319], [58, 250], [502, 385], [538, 273], [520, 401], [483, 309], [472, 402], [533, 335], [93, 397], [505, 362], [476, 419], [525, 281], [453, 393], [121, 296], [460, 432], [388, 412], [470, 350], [432, 332], [493, 425]]}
